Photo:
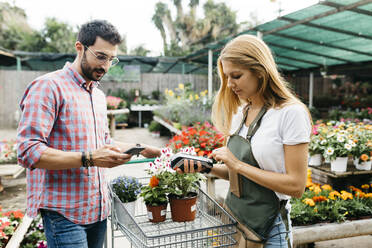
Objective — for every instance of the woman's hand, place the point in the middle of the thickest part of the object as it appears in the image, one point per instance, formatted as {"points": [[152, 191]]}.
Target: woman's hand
{"points": [[188, 167], [224, 155]]}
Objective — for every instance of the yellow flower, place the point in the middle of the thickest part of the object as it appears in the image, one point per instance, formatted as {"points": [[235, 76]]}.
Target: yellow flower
{"points": [[178, 97], [346, 195], [309, 202], [365, 186], [202, 93], [196, 96], [191, 98], [369, 195], [327, 187], [317, 190], [170, 93], [181, 86], [166, 91], [333, 194]]}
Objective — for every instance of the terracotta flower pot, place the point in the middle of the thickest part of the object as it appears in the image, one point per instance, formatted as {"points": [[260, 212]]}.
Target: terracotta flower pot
{"points": [[157, 213], [183, 209]]}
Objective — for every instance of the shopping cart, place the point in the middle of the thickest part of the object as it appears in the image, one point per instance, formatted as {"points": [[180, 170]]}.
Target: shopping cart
{"points": [[212, 227]]}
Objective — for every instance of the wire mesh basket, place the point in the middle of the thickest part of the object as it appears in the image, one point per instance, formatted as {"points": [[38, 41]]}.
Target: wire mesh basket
{"points": [[212, 227]]}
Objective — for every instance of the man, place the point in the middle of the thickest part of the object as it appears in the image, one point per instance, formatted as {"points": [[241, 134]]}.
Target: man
{"points": [[64, 143]]}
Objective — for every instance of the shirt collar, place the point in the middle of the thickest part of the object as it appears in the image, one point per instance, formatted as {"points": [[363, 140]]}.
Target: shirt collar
{"points": [[77, 77]]}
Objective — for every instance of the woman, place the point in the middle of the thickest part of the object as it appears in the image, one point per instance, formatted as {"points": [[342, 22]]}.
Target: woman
{"points": [[268, 131]]}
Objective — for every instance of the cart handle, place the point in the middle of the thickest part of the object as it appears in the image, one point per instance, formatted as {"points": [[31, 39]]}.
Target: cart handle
{"points": [[135, 161]]}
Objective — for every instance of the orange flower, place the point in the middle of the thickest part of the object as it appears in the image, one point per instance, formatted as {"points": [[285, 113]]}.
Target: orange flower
{"points": [[360, 194], [309, 202], [154, 181], [319, 198], [364, 157], [18, 214], [369, 195], [327, 187]]}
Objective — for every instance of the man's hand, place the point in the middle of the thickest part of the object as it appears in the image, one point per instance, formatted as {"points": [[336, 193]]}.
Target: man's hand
{"points": [[109, 156], [151, 152]]}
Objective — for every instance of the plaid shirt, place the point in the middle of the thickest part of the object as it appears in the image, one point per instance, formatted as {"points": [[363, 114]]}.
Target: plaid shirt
{"points": [[59, 112]]}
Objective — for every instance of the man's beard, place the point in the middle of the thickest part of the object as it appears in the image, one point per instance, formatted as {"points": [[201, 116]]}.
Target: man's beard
{"points": [[88, 71]]}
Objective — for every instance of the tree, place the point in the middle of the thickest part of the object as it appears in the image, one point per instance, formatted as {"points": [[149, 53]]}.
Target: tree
{"points": [[59, 37], [187, 32], [140, 50]]}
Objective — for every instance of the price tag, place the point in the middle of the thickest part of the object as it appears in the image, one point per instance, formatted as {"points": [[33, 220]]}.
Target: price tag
{"points": [[193, 208], [149, 215]]}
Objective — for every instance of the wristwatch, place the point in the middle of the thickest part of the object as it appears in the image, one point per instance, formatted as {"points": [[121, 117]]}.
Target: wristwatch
{"points": [[85, 161]]}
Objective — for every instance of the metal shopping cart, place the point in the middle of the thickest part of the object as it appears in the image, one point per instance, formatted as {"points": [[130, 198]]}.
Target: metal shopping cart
{"points": [[212, 227]]}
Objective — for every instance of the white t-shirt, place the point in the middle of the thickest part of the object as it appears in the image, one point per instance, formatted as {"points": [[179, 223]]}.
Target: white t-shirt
{"points": [[289, 125]]}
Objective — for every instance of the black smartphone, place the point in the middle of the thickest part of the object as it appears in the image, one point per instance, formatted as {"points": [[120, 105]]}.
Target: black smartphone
{"points": [[134, 150], [177, 161]]}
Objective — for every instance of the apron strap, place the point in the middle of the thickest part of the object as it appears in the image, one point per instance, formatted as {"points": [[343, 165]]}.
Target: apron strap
{"points": [[256, 123]]}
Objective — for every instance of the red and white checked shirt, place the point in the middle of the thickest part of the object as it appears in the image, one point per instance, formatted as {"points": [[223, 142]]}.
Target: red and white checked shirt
{"points": [[59, 112]]}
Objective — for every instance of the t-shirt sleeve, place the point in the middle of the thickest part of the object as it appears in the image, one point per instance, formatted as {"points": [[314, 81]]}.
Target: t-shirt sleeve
{"points": [[295, 125]]}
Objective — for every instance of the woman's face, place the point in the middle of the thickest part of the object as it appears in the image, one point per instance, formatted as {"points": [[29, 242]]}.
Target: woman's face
{"points": [[240, 80]]}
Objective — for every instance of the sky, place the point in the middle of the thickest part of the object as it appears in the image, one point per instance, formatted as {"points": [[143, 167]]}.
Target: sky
{"points": [[133, 17]]}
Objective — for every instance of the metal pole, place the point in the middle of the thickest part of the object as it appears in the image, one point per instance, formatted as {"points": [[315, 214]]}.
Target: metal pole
{"points": [[19, 65], [311, 88], [210, 70], [259, 35]]}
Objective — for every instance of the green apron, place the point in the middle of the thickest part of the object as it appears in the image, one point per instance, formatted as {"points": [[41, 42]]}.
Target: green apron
{"points": [[254, 206]]}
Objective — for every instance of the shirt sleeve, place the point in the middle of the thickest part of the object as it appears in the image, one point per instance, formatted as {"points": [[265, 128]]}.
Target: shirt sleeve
{"points": [[39, 107], [295, 125]]}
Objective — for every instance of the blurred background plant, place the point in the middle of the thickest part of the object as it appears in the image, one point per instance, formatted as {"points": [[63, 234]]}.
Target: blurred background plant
{"points": [[186, 107], [8, 151]]}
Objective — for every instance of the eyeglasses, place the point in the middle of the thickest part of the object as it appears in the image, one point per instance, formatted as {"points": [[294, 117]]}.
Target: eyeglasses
{"points": [[103, 58]]}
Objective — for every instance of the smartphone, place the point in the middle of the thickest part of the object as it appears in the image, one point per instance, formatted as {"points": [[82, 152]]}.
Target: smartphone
{"points": [[134, 150], [178, 159]]}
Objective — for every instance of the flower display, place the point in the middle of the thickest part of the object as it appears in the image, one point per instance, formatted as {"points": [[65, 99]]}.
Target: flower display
{"points": [[35, 236], [126, 188], [114, 102], [203, 137], [322, 203], [340, 139], [8, 151], [9, 222]]}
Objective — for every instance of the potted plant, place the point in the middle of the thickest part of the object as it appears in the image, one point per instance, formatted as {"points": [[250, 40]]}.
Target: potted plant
{"points": [[127, 189], [339, 146], [155, 193], [362, 152], [316, 146], [183, 190]]}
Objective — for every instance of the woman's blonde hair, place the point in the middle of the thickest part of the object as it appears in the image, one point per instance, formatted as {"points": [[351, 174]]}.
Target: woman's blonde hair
{"points": [[250, 52]]}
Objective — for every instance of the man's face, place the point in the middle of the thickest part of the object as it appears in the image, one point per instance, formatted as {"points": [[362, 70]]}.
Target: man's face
{"points": [[92, 65]]}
